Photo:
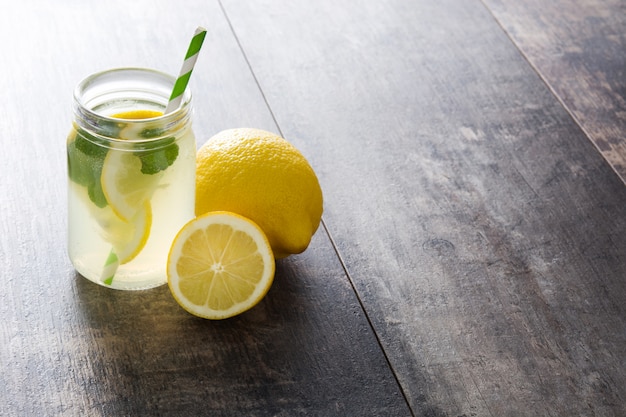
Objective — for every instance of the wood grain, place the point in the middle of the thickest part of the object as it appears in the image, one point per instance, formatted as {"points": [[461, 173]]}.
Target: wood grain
{"points": [[579, 48], [474, 233], [71, 348], [483, 232]]}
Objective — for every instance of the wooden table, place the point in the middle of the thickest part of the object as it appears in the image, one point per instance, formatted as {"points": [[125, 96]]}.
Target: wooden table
{"points": [[472, 257]]}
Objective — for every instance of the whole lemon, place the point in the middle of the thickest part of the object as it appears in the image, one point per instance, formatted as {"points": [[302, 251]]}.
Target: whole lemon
{"points": [[261, 176]]}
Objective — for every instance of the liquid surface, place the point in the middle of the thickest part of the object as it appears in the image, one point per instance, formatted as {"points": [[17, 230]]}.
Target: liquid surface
{"points": [[137, 114]]}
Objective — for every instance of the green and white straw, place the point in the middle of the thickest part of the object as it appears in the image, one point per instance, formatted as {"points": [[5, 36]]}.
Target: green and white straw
{"points": [[112, 263], [110, 268], [185, 71]]}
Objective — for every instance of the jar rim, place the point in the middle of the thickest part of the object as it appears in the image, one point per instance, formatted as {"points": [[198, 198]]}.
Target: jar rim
{"points": [[123, 82]]}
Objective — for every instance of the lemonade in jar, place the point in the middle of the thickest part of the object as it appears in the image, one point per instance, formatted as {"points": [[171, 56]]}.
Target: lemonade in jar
{"points": [[131, 176]]}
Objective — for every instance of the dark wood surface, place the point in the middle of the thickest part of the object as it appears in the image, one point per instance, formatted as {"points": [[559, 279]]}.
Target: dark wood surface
{"points": [[578, 48], [472, 260]]}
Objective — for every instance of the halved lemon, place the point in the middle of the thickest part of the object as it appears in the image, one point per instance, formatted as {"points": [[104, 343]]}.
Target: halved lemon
{"points": [[125, 187], [220, 265]]}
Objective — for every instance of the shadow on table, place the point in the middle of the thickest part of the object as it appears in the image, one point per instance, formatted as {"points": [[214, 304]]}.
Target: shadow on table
{"points": [[155, 310], [147, 353]]}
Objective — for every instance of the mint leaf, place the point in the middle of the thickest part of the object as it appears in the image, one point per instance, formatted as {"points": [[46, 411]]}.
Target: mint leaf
{"points": [[94, 190], [156, 160], [84, 165]]}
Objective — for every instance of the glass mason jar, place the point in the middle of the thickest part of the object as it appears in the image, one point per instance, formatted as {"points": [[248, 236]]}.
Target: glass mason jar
{"points": [[131, 176]]}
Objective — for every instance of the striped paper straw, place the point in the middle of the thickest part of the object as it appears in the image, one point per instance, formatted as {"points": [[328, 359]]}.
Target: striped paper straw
{"points": [[109, 269], [186, 69]]}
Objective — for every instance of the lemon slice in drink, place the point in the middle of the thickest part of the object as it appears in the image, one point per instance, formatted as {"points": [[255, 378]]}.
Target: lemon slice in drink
{"points": [[125, 187], [126, 238], [129, 238], [220, 265]]}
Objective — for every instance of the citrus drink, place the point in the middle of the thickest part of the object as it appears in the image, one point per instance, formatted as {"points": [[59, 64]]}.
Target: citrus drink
{"points": [[131, 188]]}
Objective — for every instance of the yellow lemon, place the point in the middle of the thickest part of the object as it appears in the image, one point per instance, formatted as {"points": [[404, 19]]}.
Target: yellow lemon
{"points": [[261, 176], [220, 265], [125, 187], [124, 184], [129, 238]]}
